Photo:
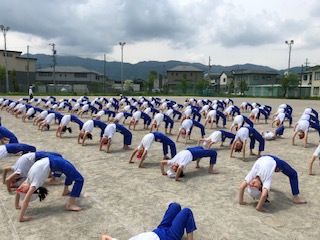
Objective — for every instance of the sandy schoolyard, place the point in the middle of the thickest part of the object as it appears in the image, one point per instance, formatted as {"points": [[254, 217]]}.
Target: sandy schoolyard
{"points": [[123, 200]]}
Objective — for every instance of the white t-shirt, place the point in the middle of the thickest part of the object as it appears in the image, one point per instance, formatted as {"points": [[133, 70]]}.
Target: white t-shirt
{"points": [[49, 118], [238, 120], [187, 125], [136, 116], [182, 158], [158, 118], [110, 130], [228, 109], [169, 112], [264, 168], [119, 116], [242, 134], [317, 151], [268, 135], [147, 110], [305, 116], [88, 126], [303, 125], [39, 172], [254, 112], [147, 141], [307, 111], [23, 164], [43, 114], [65, 120], [212, 114], [281, 116], [30, 111], [188, 112]]}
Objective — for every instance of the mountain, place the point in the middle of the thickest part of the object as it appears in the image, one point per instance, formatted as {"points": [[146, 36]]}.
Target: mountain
{"points": [[139, 70]]}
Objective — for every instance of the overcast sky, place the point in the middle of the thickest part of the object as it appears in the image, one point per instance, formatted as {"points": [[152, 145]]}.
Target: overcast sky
{"points": [[228, 31]]}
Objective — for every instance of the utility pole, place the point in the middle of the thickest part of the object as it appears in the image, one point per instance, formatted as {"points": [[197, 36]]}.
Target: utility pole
{"points": [[54, 62], [28, 78], [104, 74], [5, 30], [209, 67], [290, 46], [122, 45]]}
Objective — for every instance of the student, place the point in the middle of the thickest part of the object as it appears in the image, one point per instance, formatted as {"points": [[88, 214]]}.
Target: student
{"points": [[273, 135], [240, 141], [65, 120], [7, 136], [22, 167], [85, 132], [127, 136], [135, 119], [183, 158], [301, 129], [173, 225], [186, 129], [259, 180], [215, 137], [315, 155], [239, 121], [30, 92], [15, 148], [146, 143], [107, 136], [37, 175]]}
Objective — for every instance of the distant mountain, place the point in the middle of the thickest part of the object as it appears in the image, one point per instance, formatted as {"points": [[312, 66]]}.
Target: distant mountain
{"points": [[139, 70]]}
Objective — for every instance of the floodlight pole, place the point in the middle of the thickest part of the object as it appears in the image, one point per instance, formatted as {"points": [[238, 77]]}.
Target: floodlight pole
{"points": [[5, 30]]}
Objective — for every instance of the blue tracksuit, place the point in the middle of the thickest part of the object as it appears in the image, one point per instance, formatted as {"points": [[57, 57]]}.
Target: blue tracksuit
{"points": [[146, 119], [287, 170], [14, 148], [60, 165], [160, 137], [174, 223], [168, 121], [226, 134], [5, 133], [199, 125], [255, 135], [199, 152], [127, 135]]}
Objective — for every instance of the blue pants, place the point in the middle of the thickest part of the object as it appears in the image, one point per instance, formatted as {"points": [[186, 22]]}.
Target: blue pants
{"points": [[146, 119], [255, 135], [287, 170], [315, 126], [199, 152], [176, 112], [59, 165], [196, 114], [168, 121], [266, 115], [220, 114], [127, 135], [174, 222], [280, 130], [247, 120], [226, 134]]}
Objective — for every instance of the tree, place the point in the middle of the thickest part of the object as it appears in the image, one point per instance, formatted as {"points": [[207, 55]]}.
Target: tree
{"points": [[287, 82], [149, 83], [243, 85], [128, 85], [231, 86], [2, 77], [184, 85], [202, 85], [14, 81]]}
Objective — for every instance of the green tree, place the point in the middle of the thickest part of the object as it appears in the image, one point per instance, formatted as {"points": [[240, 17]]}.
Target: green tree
{"points": [[202, 85], [231, 86], [14, 81], [184, 85], [151, 78], [128, 85], [243, 85], [287, 82]]}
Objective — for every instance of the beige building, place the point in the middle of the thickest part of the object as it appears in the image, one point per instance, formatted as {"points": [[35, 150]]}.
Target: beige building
{"points": [[18, 75], [315, 81], [179, 74]]}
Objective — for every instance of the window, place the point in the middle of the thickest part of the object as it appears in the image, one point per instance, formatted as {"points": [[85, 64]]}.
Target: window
{"points": [[305, 77], [184, 76], [224, 79], [45, 74], [317, 76], [316, 91], [191, 74], [80, 75]]}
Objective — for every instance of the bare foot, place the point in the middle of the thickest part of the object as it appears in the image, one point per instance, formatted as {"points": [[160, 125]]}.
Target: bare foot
{"points": [[72, 208], [298, 200], [54, 182], [311, 174], [25, 219], [127, 148], [131, 162], [213, 172], [66, 193]]}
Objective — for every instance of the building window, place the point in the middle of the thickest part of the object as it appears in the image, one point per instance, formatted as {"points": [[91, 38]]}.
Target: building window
{"points": [[256, 77], [191, 74], [305, 77], [80, 75], [224, 80], [184, 76], [316, 91], [45, 74], [317, 76]]}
